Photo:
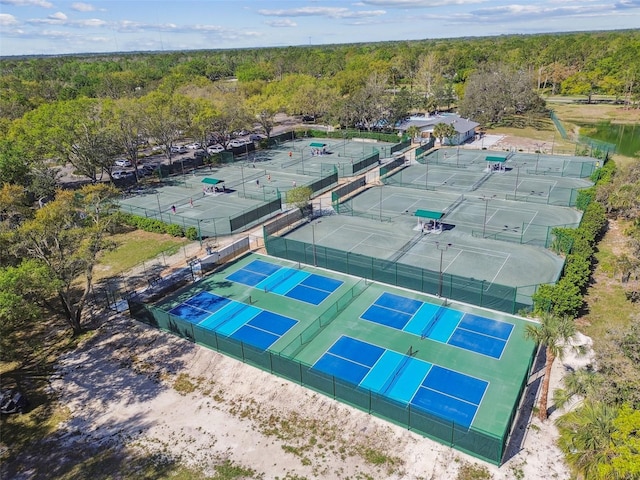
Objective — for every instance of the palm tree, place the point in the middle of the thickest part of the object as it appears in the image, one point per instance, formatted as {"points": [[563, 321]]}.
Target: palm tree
{"points": [[413, 132], [586, 438], [443, 130], [552, 332]]}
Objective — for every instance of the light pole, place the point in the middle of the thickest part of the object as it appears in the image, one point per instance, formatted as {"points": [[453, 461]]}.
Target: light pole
{"points": [[515, 189], [159, 207], [380, 203], [538, 148], [244, 193], [426, 180], [486, 201], [313, 242], [443, 248]]}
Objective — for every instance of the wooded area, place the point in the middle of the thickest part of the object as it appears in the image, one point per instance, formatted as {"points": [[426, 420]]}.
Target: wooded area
{"points": [[90, 110]]}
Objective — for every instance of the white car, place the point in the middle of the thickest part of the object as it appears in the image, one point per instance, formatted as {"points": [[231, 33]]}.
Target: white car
{"points": [[193, 146], [238, 142], [217, 148], [123, 162], [179, 149]]}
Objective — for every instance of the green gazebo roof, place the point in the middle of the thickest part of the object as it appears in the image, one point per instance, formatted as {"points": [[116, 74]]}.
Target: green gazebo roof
{"points": [[429, 214]]}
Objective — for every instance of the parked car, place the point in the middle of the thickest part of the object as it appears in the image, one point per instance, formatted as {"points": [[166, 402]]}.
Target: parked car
{"points": [[13, 401], [121, 174], [238, 142], [122, 162], [217, 148], [199, 154], [193, 146], [256, 137], [179, 149], [147, 170]]}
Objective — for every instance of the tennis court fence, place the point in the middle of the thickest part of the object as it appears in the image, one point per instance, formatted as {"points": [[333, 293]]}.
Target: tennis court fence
{"points": [[504, 298], [481, 444]]}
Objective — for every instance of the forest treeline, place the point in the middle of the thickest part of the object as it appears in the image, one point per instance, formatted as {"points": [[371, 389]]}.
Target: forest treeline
{"points": [[606, 63]]}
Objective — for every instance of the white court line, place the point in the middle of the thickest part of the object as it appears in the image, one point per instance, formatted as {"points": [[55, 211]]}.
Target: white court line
{"points": [[499, 270], [530, 222], [448, 178], [361, 242], [452, 261]]}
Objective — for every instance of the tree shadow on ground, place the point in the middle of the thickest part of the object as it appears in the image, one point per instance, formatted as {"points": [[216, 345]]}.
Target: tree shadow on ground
{"points": [[527, 407]]}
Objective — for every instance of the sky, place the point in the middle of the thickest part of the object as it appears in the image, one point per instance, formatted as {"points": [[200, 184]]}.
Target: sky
{"points": [[51, 27]]}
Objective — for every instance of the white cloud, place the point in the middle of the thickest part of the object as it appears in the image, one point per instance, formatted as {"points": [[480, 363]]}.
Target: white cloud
{"points": [[331, 12], [417, 3], [58, 16], [28, 3], [285, 22], [6, 20], [82, 7], [91, 22]]}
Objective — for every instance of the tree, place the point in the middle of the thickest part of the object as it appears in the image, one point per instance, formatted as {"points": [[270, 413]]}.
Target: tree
{"points": [[65, 239], [444, 130], [264, 109], [14, 167], [22, 290], [299, 196], [553, 333], [413, 132], [497, 91], [164, 119], [585, 438], [127, 126]]}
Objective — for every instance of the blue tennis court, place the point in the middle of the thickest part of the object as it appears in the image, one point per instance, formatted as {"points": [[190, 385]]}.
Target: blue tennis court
{"points": [[238, 320], [440, 391], [290, 282], [440, 323]]}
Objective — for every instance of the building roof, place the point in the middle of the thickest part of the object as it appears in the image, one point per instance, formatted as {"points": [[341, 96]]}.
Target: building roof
{"points": [[426, 124]]}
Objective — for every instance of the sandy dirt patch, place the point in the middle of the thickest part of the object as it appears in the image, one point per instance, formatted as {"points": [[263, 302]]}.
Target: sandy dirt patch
{"points": [[125, 386]]}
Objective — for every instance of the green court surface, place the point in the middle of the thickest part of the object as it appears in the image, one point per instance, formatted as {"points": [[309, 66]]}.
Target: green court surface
{"points": [[207, 198], [514, 183], [503, 263], [313, 326], [530, 163]]}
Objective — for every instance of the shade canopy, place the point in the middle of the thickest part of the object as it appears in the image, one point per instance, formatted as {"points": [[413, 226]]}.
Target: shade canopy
{"points": [[211, 181], [431, 215], [491, 158], [317, 144]]}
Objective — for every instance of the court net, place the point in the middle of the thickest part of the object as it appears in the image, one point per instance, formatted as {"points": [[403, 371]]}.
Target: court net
{"points": [[281, 278], [405, 248], [434, 321], [393, 378], [237, 309], [453, 206]]}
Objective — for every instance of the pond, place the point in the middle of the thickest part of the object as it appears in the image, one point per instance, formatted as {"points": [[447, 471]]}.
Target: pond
{"points": [[625, 137]]}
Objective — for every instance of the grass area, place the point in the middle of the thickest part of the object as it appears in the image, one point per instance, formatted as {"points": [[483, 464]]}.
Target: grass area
{"points": [[608, 307], [133, 248], [583, 113]]}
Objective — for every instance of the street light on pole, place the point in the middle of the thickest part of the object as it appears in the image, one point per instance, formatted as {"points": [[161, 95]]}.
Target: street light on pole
{"points": [[313, 242], [443, 247], [538, 149], [515, 189], [426, 180], [242, 173], [486, 201], [380, 203]]}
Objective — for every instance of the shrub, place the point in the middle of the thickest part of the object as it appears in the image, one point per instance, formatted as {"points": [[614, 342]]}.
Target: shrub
{"points": [[174, 230], [191, 233]]}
